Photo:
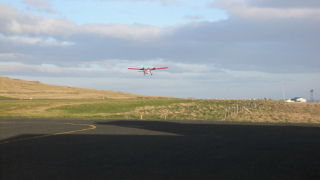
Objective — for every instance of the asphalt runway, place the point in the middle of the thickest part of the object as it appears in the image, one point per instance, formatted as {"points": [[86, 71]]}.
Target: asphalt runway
{"points": [[148, 149]]}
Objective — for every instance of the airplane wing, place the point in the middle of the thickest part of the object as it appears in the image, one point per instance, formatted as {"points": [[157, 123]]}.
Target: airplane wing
{"points": [[135, 68], [159, 68]]}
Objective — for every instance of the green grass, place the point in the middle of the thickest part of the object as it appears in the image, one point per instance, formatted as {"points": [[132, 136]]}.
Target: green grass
{"points": [[3, 97], [112, 106], [179, 109]]}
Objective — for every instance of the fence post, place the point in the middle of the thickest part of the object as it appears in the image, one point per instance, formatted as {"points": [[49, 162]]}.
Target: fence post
{"points": [[225, 114]]}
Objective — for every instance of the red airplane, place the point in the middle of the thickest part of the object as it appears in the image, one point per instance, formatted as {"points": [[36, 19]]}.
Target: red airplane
{"points": [[147, 70]]}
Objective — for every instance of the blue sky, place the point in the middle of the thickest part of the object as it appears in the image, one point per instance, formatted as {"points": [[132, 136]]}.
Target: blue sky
{"points": [[214, 49], [155, 13]]}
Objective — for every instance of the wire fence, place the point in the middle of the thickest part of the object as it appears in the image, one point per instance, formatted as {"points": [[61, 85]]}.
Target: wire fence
{"points": [[237, 108]]}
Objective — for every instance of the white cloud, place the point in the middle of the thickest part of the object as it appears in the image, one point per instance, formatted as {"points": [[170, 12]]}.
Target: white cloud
{"points": [[37, 3], [14, 22], [107, 68], [275, 46], [40, 5], [137, 32], [163, 2], [191, 17], [19, 40], [20, 23], [44, 70], [262, 14], [245, 10], [285, 3], [33, 41]]}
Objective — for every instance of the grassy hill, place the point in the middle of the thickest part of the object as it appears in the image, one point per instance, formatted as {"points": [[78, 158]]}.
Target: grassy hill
{"points": [[165, 108], [21, 89], [89, 103]]}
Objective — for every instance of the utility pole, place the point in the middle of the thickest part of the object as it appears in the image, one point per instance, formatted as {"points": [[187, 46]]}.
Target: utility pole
{"points": [[284, 97], [311, 98]]}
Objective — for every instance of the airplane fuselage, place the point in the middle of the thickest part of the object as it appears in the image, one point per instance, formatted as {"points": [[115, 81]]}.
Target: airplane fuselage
{"points": [[147, 70]]}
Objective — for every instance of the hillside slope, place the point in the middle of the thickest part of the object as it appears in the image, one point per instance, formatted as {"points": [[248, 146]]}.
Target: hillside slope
{"points": [[21, 89]]}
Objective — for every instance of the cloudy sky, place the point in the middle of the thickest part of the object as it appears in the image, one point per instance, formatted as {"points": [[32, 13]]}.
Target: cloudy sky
{"points": [[213, 48]]}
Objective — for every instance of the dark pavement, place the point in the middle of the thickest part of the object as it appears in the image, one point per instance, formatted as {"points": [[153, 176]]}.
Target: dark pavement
{"points": [[148, 149]]}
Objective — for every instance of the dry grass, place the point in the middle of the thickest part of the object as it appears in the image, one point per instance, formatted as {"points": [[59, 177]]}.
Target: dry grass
{"points": [[85, 103], [21, 89], [178, 109], [194, 110], [276, 111]]}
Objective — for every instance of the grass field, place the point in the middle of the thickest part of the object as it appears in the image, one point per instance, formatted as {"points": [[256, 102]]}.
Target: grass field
{"points": [[21, 89], [3, 97], [276, 111], [89, 103], [173, 108]]}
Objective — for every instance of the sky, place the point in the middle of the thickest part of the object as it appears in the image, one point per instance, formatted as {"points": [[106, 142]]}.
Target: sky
{"points": [[214, 49]]}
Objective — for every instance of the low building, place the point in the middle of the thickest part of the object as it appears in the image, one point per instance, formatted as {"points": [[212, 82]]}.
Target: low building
{"points": [[299, 99], [288, 100]]}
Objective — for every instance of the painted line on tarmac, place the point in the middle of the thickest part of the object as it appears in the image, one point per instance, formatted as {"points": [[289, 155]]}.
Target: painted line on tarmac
{"points": [[67, 132]]}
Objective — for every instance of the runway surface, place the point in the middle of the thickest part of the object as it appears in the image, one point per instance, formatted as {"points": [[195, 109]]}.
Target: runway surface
{"points": [[148, 149]]}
